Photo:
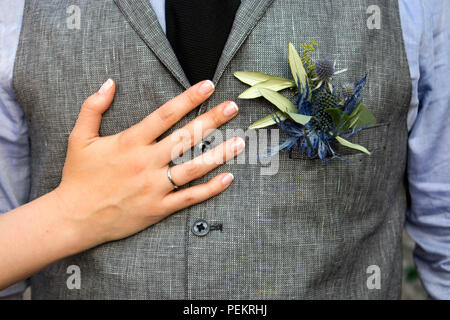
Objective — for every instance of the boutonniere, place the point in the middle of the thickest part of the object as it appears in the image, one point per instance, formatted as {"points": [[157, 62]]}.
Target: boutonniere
{"points": [[319, 116]]}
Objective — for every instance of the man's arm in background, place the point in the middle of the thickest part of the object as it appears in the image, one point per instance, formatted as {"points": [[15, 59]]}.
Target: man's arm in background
{"points": [[14, 145], [426, 31]]}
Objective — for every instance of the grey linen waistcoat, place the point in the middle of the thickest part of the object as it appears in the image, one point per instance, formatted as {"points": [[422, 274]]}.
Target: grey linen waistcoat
{"points": [[310, 231]]}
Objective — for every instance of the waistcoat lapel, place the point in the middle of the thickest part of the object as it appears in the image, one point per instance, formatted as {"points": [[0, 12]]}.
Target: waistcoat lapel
{"points": [[247, 16], [142, 17]]}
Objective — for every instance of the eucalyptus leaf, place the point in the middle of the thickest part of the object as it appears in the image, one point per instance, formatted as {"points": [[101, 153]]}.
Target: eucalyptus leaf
{"points": [[267, 120], [296, 64], [280, 101], [273, 84], [362, 117], [351, 145], [299, 118], [251, 78]]}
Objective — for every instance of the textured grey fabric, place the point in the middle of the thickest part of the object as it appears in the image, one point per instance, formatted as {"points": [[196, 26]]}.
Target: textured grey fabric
{"points": [[309, 231]]}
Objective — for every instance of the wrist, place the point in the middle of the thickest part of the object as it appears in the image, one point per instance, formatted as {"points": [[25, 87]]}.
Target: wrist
{"points": [[73, 234]]}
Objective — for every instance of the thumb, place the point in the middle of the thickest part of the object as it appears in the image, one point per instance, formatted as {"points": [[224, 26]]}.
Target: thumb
{"points": [[90, 117]]}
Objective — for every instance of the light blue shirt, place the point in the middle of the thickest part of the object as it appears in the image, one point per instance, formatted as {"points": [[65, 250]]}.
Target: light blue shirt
{"points": [[426, 31]]}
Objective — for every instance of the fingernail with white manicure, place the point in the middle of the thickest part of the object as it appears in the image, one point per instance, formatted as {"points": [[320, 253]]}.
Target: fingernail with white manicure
{"points": [[238, 144], [230, 109], [106, 86], [206, 87], [227, 179]]}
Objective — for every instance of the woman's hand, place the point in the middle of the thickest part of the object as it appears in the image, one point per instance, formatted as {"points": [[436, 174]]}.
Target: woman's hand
{"points": [[117, 185]]}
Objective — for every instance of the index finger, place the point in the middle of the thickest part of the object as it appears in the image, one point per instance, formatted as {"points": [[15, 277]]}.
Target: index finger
{"points": [[160, 120]]}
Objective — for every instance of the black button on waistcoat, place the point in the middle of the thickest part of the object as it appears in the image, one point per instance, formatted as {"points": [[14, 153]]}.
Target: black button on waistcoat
{"points": [[200, 228]]}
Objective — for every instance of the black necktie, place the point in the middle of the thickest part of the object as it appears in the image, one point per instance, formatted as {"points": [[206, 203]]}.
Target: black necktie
{"points": [[197, 31]]}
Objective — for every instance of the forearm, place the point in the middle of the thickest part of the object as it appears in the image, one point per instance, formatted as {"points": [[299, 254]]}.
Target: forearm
{"points": [[34, 236]]}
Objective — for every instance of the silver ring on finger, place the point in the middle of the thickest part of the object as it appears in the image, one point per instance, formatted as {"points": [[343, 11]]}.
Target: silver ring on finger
{"points": [[169, 176]]}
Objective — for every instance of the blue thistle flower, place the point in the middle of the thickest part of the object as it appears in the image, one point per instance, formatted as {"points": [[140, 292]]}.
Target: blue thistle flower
{"points": [[348, 90], [317, 137], [325, 70], [325, 99], [312, 138]]}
